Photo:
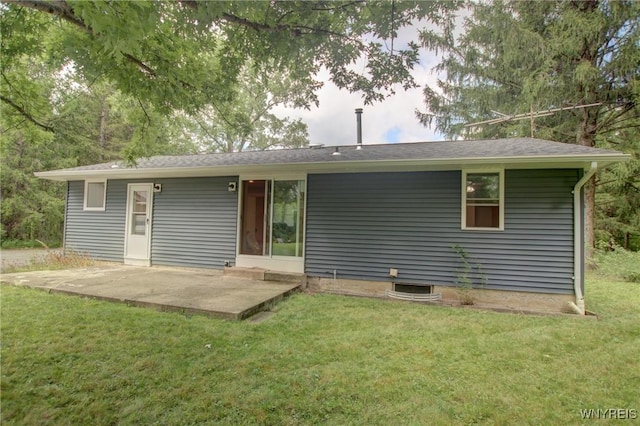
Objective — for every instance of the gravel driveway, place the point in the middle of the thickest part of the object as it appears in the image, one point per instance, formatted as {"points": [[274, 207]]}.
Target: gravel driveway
{"points": [[19, 257]]}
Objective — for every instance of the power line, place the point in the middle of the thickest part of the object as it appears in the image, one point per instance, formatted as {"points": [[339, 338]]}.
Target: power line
{"points": [[529, 115]]}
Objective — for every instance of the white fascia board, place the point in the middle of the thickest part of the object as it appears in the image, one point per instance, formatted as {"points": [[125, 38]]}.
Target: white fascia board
{"points": [[524, 162]]}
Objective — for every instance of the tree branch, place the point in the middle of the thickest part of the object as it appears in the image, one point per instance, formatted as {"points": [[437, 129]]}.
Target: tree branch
{"points": [[4, 130], [26, 115], [147, 118], [615, 129], [295, 30], [58, 8], [62, 10], [143, 67], [204, 128], [340, 7], [191, 4], [612, 119], [626, 180]]}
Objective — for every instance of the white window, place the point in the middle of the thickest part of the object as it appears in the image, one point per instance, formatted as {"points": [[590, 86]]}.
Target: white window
{"points": [[95, 195], [483, 200]]}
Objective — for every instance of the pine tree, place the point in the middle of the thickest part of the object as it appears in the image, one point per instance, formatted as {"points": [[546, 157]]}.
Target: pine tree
{"points": [[515, 57]]}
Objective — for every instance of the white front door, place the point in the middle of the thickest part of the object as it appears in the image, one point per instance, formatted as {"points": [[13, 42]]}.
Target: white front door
{"points": [[137, 244]]}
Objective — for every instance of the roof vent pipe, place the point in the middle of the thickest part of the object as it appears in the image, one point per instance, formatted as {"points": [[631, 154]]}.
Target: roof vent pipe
{"points": [[359, 127]]}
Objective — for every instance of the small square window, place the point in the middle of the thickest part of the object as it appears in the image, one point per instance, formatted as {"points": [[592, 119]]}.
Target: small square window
{"points": [[482, 200], [95, 195]]}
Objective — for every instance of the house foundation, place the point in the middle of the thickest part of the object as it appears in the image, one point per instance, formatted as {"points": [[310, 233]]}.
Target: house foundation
{"points": [[512, 301]]}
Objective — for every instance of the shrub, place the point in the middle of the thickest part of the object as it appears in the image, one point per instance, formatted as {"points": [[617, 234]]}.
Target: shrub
{"points": [[619, 263], [633, 277], [53, 260]]}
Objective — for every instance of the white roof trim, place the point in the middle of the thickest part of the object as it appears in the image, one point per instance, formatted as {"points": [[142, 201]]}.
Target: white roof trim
{"points": [[515, 162]]}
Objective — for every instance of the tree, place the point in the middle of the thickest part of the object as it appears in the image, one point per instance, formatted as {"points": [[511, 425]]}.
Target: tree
{"points": [[84, 82], [520, 56], [22, 50], [248, 122], [187, 54], [29, 209], [618, 195], [101, 124], [76, 124]]}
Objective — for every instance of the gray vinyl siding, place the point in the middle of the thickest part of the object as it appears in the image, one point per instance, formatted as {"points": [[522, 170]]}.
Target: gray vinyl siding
{"points": [[97, 233], [363, 224], [194, 222]]}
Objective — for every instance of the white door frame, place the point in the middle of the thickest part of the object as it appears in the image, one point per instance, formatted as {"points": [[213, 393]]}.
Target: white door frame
{"points": [[271, 262], [142, 256]]}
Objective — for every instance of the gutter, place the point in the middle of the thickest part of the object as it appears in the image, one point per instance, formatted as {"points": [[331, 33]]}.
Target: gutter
{"points": [[578, 243], [335, 166]]}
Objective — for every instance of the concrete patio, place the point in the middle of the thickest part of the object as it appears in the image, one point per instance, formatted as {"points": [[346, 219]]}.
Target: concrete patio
{"points": [[191, 291]]}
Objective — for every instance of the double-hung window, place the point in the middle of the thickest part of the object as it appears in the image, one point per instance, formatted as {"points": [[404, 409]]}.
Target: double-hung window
{"points": [[95, 195], [483, 200]]}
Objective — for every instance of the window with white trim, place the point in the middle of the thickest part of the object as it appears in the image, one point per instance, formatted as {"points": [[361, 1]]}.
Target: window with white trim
{"points": [[95, 195], [483, 200]]}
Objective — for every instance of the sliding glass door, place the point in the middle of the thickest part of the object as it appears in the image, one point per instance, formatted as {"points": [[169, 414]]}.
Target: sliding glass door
{"points": [[287, 217], [272, 218]]}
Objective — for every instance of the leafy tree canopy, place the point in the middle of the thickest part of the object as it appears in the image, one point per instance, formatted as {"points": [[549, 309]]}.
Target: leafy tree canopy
{"points": [[185, 55], [84, 82], [248, 122]]}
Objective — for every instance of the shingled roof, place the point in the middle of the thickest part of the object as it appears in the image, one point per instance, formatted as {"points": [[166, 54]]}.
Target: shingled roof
{"points": [[511, 150]]}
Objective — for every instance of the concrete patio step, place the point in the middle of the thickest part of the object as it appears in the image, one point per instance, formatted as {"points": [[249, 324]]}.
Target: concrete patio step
{"points": [[249, 273], [265, 275], [285, 277]]}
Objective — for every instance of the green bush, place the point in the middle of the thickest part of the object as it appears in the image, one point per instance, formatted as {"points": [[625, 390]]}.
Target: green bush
{"points": [[619, 263], [633, 277]]}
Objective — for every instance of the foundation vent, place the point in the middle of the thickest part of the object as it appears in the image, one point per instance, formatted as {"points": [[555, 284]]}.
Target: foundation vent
{"points": [[415, 293]]}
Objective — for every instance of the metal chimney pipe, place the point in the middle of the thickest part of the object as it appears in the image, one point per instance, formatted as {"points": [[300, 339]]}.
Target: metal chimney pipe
{"points": [[359, 127]]}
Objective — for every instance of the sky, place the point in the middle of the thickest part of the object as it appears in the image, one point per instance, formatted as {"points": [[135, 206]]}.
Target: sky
{"points": [[393, 120]]}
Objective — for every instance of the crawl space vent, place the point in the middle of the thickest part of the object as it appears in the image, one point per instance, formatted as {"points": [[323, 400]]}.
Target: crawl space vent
{"points": [[416, 293]]}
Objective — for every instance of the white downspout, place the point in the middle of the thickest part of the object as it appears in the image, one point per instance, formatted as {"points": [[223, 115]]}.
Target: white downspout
{"points": [[578, 249]]}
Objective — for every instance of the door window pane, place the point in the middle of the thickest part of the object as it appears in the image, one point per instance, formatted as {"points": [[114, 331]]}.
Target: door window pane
{"points": [[288, 218], [139, 214], [140, 205], [138, 226]]}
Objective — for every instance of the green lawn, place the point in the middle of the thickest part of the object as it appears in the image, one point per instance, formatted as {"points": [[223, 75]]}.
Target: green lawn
{"points": [[318, 359]]}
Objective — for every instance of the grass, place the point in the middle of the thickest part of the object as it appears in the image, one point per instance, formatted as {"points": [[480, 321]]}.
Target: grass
{"points": [[320, 359], [284, 249]]}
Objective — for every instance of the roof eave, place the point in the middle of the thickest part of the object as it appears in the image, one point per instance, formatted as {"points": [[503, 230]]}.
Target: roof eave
{"points": [[552, 161]]}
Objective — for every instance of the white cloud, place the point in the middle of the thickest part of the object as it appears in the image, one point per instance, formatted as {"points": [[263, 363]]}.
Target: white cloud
{"points": [[334, 121], [392, 120]]}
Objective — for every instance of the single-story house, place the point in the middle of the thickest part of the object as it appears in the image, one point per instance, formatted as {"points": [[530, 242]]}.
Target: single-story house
{"points": [[502, 216]]}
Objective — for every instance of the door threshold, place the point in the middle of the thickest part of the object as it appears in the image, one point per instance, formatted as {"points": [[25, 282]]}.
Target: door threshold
{"points": [[261, 274], [137, 262]]}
